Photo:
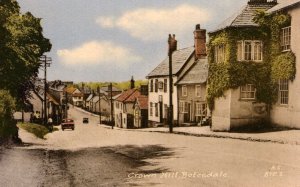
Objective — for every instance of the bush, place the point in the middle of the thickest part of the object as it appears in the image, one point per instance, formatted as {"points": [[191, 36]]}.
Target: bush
{"points": [[8, 128]]}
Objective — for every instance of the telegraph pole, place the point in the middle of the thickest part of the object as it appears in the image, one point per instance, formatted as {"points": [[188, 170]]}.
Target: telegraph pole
{"points": [[172, 47], [98, 90], [46, 61], [111, 107]]}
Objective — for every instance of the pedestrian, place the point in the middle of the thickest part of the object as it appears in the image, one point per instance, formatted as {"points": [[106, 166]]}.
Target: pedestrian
{"points": [[50, 121]]}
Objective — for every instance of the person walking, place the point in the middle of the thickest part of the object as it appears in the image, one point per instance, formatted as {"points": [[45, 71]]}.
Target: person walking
{"points": [[50, 123]]}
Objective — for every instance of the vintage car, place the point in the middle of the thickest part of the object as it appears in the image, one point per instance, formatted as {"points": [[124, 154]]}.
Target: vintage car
{"points": [[85, 120], [67, 124]]}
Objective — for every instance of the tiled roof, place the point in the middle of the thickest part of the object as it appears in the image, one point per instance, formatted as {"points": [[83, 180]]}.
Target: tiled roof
{"points": [[283, 5], [244, 17], [128, 96], [142, 101], [197, 74], [179, 58], [70, 90]]}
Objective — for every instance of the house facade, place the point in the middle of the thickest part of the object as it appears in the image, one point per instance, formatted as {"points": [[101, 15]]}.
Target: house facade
{"points": [[158, 82], [74, 96], [124, 108], [286, 111], [249, 84], [191, 89], [141, 112]]}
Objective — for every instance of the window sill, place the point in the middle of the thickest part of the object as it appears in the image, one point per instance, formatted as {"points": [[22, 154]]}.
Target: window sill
{"points": [[247, 100], [282, 105]]}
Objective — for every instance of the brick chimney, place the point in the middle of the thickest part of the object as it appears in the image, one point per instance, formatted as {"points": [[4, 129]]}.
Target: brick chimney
{"points": [[258, 2], [200, 42], [132, 83], [172, 44]]}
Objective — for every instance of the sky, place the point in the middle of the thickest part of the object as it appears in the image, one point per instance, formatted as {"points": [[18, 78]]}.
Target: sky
{"points": [[112, 40]]}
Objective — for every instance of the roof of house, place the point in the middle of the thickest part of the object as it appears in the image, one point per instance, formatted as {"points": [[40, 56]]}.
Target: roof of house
{"points": [[95, 99], [129, 95], [179, 58], [89, 97], [116, 96], [142, 101], [70, 90], [283, 5], [51, 98], [77, 94], [196, 74], [244, 17]]}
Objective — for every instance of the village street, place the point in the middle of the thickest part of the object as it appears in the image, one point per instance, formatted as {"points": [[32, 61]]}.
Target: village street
{"points": [[96, 155]]}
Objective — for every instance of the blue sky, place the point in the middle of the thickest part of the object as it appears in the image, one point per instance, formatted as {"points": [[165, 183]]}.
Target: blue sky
{"points": [[111, 40]]}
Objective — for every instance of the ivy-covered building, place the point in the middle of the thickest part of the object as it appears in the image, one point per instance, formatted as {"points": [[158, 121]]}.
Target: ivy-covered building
{"points": [[250, 69], [285, 62]]}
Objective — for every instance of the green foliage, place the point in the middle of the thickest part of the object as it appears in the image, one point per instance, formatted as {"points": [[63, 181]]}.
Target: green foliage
{"points": [[7, 123], [38, 130], [120, 85], [284, 66], [22, 43], [264, 75]]}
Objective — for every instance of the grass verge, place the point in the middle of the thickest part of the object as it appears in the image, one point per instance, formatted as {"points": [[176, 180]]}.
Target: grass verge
{"points": [[38, 130]]}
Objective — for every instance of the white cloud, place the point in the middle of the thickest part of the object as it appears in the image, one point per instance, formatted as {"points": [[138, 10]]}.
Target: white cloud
{"points": [[106, 22], [95, 52], [155, 24]]}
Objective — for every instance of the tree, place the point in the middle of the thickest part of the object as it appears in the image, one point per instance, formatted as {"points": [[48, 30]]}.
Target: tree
{"points": [[8, 126], [22, 44]]}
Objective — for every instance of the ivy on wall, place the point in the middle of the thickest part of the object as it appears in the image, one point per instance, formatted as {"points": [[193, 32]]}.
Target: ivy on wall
{"points": [[232, 74]]}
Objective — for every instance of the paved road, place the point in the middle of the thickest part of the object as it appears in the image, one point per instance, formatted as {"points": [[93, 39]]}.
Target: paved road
{"points": [[95, 155]]}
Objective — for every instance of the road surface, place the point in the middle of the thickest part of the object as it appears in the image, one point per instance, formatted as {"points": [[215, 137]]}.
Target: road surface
{"points": [[96, 155]]}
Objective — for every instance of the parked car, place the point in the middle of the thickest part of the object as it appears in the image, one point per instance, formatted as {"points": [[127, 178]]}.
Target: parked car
{"points": [[67, 124], [85, 120]]}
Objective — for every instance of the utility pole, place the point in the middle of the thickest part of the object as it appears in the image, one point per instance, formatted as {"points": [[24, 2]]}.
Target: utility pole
{"points": [[98, 90], [111, 107], [172, 47], [46, 61]]}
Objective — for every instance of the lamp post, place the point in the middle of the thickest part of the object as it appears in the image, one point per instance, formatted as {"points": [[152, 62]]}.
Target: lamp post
{"points": [[172, 43]]}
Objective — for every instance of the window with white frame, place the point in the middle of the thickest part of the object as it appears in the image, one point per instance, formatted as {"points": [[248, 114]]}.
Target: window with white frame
{"points": [[183, 107], [249, 50], [184, 91], [285, 37], [151, 109], [248, 91], [283, 91], [156, 109], [198, 109], [220, 53], [198, 90]]}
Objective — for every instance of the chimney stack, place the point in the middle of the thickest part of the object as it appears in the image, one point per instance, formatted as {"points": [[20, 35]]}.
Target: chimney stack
{"points": [[200, 42], [172, 44], [258, 2], [132, 83]]}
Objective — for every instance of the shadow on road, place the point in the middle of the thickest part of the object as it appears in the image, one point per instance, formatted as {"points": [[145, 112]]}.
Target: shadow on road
{"points": [[106, 166]]}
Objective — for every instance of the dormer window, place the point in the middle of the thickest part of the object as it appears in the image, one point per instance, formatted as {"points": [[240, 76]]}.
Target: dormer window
{"points": [[285, 37], [249, 50]]}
